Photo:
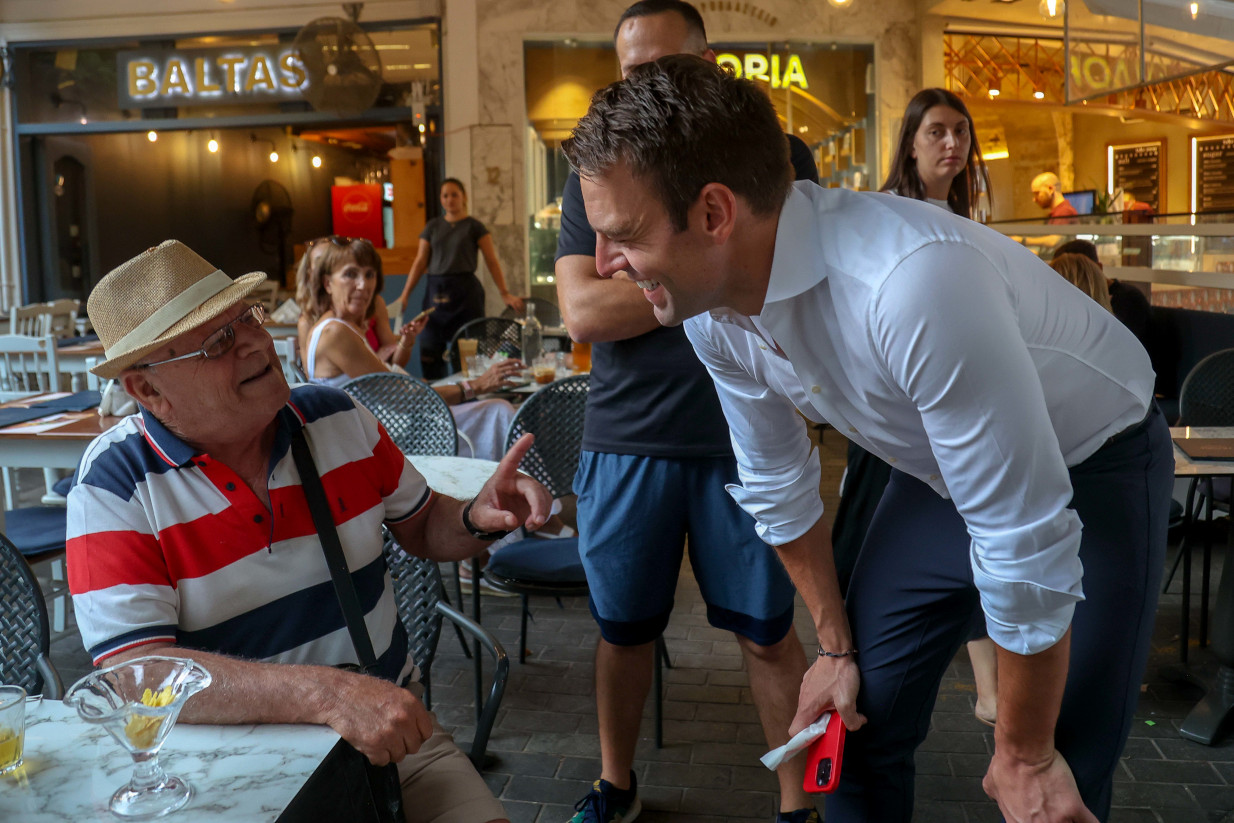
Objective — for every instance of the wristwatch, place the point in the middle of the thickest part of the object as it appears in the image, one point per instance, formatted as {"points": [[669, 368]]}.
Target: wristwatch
{"points": [[477, 533]]}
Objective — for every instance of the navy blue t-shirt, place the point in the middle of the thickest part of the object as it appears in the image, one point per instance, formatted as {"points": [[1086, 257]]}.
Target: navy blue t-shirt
{"points": [[650, 396]]}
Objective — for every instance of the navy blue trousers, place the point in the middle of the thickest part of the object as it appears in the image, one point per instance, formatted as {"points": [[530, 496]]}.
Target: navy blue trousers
{"points": [[912, 602]]}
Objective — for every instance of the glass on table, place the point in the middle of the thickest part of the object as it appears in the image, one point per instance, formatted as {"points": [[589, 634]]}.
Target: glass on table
{"points": [[138, 702], [12, 727], [544, 370], [479, 364], [582, 356], [467, 347]]}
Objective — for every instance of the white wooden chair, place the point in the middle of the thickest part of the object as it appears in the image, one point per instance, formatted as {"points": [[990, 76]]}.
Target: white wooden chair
{"points": [[395, 310], [62, 318], [288, 352], [28, 320], [28, 366], [268, 294]]}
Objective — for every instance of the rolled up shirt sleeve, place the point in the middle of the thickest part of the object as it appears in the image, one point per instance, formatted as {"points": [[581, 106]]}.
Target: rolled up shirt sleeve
{"points": [[967, 370], [778, 468]]}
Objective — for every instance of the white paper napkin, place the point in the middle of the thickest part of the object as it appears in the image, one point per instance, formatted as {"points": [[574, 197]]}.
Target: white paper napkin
{"points": [[800, 741]]}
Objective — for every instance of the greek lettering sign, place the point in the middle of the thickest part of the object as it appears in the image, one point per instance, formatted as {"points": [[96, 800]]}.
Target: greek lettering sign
{"points": [[209, 77]]}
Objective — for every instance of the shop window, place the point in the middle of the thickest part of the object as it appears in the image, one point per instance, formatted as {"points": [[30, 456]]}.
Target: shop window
{"points": [[820, 92]]}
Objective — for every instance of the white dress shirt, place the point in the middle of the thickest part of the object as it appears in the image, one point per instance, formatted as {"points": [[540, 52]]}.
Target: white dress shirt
{"points": [[947, 350]]}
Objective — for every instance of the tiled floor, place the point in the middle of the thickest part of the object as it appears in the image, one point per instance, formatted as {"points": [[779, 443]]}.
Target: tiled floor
{"points": [[547, 747]]}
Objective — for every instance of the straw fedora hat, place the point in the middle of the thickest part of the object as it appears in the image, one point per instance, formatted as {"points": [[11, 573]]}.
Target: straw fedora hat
{"points": [[157, 296]]}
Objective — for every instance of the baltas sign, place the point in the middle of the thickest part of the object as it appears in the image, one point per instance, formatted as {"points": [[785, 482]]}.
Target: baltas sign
{"points": [[210, 77]]}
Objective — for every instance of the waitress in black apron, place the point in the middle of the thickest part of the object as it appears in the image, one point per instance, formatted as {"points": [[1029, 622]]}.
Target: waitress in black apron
{"points": [[448, 247]]}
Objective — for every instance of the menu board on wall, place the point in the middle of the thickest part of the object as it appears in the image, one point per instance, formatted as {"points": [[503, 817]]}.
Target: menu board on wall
{"points": [[1214, 173], [1139, 168]]}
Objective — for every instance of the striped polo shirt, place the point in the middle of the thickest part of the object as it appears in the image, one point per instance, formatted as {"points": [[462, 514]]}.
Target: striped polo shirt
{"points": [[166, 544]]}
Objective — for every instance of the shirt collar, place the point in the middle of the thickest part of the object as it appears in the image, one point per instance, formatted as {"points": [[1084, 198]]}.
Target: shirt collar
{"points": [[177, 452], [795, 268]]}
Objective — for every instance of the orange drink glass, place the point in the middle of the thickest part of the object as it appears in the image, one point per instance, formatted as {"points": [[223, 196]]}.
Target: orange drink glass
{"points": [[582, 356]]}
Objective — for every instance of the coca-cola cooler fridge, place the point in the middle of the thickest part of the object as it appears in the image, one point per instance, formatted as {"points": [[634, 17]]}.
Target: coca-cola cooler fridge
{"points": [[357, 212]]}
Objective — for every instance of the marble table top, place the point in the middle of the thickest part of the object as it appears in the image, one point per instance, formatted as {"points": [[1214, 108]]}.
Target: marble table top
{"points": [[1184, 466], [238, 773], [457, 477]]}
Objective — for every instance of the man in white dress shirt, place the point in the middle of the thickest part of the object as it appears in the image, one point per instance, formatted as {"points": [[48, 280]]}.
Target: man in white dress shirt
{"points": [[1018, 410]]}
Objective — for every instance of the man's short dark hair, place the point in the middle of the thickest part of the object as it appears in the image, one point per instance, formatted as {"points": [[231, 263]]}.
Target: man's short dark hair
{"points": [[683, 122], [649, 8], [1084, 247]]}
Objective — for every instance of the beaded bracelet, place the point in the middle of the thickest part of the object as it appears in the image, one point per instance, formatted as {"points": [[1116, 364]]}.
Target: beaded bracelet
{"points": [[824, 653]]}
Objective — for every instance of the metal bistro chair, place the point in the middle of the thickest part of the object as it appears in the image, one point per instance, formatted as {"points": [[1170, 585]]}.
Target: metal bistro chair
{"points": [[1206, 399], [493, 334], [417, 418], [418, 421], [418, 591], [25, 638], [532, 566]]}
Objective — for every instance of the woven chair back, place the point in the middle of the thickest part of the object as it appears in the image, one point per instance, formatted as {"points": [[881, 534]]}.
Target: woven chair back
{"points": [[417, 418], [492, 334], [1207, 395], [554, 415]]}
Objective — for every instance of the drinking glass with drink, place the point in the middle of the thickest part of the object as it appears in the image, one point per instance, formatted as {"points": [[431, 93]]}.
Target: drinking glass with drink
{"points": [[582, 356], [12, 727], [467, 347]]}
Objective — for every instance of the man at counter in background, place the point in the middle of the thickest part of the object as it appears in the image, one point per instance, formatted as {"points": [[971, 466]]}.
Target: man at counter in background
{"points": [[1048, 195], [1018, 410], [656, 457]]}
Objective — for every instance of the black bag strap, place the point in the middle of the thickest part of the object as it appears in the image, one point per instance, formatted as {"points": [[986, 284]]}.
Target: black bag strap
{"points": [[344, 588]]}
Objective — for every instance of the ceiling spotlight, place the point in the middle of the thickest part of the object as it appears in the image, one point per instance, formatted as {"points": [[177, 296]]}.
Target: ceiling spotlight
{"points": [[152, 136], [841, 4], [1195, 10], [274, 157], [1051, 9], [993, 93], [1040, 95], [213, 146], [316, 161]]}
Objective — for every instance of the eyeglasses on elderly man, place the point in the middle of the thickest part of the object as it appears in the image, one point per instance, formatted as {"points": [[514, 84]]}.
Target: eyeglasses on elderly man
{"points": [[219, 343]]}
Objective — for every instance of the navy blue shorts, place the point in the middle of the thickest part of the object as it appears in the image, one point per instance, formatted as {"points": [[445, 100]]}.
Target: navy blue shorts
{"points": [[635, 515]]}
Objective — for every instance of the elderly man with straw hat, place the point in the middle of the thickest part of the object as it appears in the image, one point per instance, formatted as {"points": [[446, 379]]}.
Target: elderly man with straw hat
{"points": [[190, 533]]}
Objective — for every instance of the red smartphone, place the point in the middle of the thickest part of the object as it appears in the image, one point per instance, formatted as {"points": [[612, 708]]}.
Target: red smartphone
{"points": [[824, 757]]}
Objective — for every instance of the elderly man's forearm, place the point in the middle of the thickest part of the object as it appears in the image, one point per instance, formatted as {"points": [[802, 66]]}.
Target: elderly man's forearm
{"points": [[250, 691]]}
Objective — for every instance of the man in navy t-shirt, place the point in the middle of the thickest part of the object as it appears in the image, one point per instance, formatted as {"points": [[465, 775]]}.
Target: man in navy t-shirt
{"points": [[656, 457]]}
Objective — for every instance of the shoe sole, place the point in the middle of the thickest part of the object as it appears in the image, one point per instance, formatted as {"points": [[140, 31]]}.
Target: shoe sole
{"points": [[484, 589], [632, 812]]}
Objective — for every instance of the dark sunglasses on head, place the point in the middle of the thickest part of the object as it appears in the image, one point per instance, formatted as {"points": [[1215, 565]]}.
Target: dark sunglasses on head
{"points": [[339, 240]]}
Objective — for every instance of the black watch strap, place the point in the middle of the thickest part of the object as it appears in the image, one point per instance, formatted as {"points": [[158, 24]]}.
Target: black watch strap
{"points": [[477, 533]]}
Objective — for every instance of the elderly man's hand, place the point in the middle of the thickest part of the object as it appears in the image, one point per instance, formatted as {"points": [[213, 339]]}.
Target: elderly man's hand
{"points": [[510, 499], [385, 723]]}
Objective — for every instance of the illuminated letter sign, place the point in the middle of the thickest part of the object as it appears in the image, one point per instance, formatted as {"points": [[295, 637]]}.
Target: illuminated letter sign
{"points": [[205, 77], [779, 72]]}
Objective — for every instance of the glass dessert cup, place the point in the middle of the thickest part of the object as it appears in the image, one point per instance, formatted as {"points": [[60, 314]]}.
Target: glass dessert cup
{"points": [[137, 703]]}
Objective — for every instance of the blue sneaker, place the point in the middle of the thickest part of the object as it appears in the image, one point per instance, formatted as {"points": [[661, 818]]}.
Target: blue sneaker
{"points": [[606, 803], [799, 816]]}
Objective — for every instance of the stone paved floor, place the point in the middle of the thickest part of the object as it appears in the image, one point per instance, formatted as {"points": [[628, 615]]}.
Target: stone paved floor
{"points": [[546, 742]]}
